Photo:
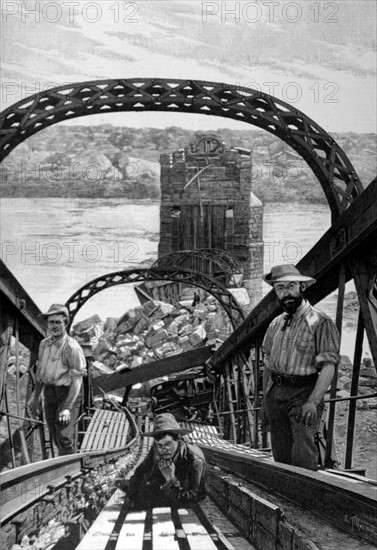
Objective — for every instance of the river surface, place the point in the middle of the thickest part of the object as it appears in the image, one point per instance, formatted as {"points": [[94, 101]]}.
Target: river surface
{"points": [[55, 246]]}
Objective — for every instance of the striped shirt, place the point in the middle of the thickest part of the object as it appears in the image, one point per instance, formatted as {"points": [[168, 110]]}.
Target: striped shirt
{"points": [[59, 361], [310, 340]]}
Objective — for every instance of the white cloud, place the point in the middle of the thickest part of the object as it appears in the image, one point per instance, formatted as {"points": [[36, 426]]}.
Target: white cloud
{"points": [[171, 41]]}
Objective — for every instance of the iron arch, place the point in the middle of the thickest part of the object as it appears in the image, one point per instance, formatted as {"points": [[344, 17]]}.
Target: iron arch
{"points": [[226, 265], [224, 297], [328, 161]]}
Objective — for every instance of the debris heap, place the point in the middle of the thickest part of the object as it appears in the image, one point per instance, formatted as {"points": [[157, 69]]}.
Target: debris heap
{"points": [[152, 331]]}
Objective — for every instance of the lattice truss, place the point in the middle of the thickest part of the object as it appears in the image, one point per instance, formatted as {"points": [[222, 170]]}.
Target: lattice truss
{"points": [[222, 262], [327, 160], [134, 276]]}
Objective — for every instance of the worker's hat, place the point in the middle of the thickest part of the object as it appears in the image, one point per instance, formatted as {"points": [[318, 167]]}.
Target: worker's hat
{"points": [[166, 423], [57, 309], [286, 272]]}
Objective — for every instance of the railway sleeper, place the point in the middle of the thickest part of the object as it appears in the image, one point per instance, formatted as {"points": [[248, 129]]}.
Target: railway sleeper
{"points": [[235, 515], [165, 528], [232, 517], [240, 521]]}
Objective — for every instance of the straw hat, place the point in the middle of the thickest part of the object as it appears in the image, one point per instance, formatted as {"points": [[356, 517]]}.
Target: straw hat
{"points": [[166, 423], [286, 272], [56, 309]]}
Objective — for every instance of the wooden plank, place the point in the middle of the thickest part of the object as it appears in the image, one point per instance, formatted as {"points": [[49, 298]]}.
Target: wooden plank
{"points": [[155, 369], [123, 435], [115, 435], [163, 530], [97, 431], [107, 430], [103, 430], [90, 432], [99, 533], [112, 435], [132, 533], [197, 536]]}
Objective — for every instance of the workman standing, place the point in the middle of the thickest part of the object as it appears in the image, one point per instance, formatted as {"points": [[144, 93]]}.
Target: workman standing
{"points": [[61, 366], [301, 349], [171, 473]]}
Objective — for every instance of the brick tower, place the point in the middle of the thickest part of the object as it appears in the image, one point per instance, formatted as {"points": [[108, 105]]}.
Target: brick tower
{"points": [[207, 202]]}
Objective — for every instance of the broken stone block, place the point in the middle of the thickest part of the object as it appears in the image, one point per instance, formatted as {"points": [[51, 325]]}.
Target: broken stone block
{"points": [[197, 336]]}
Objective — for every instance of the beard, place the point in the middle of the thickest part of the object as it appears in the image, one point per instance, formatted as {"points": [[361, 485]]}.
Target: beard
{"points": [[290, 304]]}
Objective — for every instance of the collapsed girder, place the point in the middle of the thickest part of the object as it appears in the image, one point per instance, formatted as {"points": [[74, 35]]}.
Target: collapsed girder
{"points": [[132, 276], [223, 265]]}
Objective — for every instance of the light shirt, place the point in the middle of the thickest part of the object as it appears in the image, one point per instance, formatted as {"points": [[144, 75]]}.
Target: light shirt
{"points": [[60, 361], [310, 340]]}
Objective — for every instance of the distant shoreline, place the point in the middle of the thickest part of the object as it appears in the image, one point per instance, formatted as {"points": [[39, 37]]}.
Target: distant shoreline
{"points": [[147, 200], [123, 163]]}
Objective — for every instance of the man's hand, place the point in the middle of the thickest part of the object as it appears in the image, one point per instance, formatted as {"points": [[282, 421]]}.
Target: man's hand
{"points": [[64, 417], [308, 415], [167, 468]]}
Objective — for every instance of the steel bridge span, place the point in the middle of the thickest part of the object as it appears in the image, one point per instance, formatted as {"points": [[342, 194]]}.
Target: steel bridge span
{"points": [[346, 251]]}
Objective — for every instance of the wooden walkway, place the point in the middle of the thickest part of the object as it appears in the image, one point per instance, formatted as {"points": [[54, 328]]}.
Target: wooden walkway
{"points": [[205, 527], [210, 436], [168, 528], [107, 430], [172, 528]]}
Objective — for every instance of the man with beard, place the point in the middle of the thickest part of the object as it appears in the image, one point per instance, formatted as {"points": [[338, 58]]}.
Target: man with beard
{"points": [[301, 349]]}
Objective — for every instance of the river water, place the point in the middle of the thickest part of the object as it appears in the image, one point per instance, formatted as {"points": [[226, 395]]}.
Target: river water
{"points": [[55, 246]]}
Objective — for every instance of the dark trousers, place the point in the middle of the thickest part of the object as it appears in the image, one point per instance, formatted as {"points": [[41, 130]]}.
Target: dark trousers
{"points": [[62, 436], [291, 442]]}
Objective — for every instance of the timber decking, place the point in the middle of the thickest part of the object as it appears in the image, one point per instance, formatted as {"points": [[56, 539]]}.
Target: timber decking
{"points": [[204, 434], [107, 430], [165, 528]]}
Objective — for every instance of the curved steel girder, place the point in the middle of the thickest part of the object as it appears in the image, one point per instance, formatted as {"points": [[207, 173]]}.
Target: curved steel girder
{"points": [[224, 297], [227, 265], [225, 258], [327, 160]]}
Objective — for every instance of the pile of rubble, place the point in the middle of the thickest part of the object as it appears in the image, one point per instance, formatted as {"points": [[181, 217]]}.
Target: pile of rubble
{"points": [[152, 331]]}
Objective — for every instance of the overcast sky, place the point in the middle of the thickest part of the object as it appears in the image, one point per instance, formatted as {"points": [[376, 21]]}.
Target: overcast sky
{"points": [[319, 56]]}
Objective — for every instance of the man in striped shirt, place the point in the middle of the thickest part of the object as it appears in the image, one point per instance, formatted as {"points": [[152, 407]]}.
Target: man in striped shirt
{"points": [[301, 349]]}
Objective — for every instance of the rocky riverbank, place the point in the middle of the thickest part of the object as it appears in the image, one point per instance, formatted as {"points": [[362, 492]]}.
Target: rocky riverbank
{"points": [[110, 161]]}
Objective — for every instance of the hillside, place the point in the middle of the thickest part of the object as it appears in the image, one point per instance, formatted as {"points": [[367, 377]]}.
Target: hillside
{"points": [[108, 161]]}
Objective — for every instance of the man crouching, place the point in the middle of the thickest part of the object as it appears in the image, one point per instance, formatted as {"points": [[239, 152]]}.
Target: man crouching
{"points": [[172, 472]]}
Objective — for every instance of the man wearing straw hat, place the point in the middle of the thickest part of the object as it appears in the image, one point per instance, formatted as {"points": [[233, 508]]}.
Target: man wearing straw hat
{"points": [[171, 473], [301, 349], [61, 366]]}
